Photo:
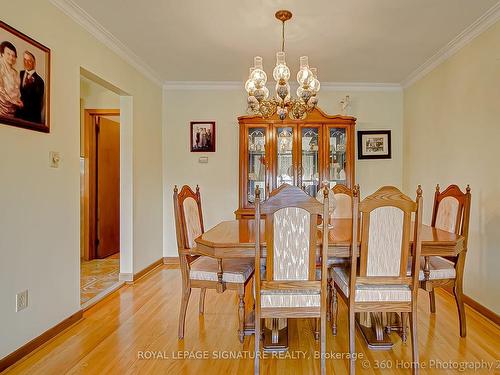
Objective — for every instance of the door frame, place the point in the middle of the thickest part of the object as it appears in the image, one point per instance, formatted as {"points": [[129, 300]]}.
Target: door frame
{"points": [[89, 198]]}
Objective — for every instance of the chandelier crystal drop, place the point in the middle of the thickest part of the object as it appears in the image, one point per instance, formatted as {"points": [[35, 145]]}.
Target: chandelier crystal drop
{"points": [[259, 101]]}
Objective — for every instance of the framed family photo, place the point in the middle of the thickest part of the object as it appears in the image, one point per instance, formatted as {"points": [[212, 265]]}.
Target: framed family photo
{"points": [[374, 144], [24, 81], [202, 134]]}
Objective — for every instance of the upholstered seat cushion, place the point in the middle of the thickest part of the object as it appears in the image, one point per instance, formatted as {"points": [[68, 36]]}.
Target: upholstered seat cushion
{"points": [[290, 298], [440, 268], [235, 270], [371, 293]]}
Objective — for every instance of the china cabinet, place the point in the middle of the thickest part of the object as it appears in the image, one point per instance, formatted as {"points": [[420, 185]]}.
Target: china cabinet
{"points": [[298, 152]]}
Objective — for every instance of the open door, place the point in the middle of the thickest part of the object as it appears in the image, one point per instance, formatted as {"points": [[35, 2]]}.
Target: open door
{"points": [[107, 187]]}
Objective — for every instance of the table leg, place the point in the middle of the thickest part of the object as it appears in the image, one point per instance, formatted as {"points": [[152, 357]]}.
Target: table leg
{"points": [[275, 333], [372, 326]]}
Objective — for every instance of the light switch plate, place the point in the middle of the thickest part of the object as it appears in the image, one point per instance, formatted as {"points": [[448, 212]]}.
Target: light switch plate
{"points": [[203, 159], [54, 159]]}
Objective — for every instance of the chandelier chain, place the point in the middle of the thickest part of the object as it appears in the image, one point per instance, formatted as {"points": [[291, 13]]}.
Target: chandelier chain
{"points": [[283, 36]]}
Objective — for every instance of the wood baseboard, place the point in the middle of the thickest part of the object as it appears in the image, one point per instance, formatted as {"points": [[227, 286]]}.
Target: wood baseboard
{"points": [[39, 341], [147, 270], [481, 309], [171, 261]]}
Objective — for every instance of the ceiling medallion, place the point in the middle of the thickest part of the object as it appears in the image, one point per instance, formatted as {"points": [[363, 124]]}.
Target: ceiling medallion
{"points": [[259, 102]]}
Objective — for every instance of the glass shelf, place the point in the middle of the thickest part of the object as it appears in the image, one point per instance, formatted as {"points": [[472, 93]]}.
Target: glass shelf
{"points": [[256, 163], [284, 156], [337, 158], [310, 160]]}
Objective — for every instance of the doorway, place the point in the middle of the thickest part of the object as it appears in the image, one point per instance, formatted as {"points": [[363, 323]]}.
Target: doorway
{"points": [[101, 184], [100, 192]]}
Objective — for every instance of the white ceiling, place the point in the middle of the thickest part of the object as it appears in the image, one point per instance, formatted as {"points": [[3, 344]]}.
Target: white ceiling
{"points": [[348, 41]]}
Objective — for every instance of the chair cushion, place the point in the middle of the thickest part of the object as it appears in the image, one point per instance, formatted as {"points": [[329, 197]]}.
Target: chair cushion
{"points": [[290, 298], [263, 274], [440, 268], [291, 244], [235, 270], [446, 217], [193, 221], [371, 293]]}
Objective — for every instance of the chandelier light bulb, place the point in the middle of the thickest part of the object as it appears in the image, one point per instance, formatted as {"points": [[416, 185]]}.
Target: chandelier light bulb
{"points": [[281, 71], [304, 76], [258, 76], [250, 86], [314, 86]]}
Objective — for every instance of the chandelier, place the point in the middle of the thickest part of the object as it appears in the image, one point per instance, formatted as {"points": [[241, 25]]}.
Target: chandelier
{"points": [[259, 102]]}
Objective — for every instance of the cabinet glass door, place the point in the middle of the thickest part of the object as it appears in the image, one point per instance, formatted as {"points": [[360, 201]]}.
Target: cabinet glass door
{"points": [[256, 167], [337, 162], [284, 156], [310, 160]]}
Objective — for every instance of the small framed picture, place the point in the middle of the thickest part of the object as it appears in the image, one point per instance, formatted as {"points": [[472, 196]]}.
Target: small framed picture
{"points": [[24, 81], [202, 136], [374, 144]]}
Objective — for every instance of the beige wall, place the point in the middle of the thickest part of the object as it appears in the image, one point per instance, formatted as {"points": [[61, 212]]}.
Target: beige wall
{"points": [[39, 220], [452, 133], [96, 96], [218, 179]]}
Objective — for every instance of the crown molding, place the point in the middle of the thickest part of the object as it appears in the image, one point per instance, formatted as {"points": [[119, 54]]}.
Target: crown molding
{"points": [[360, 86], [236, 85], [203, 85], [81, 17], [461, 40]]}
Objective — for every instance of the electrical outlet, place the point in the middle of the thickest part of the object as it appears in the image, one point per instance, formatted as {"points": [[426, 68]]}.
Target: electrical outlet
{"points": [[22, 300]]}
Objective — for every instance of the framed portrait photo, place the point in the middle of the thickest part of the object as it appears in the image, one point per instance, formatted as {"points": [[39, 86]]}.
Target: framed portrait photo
{"points": [[24, 81], [374, 144], [202, 134]]}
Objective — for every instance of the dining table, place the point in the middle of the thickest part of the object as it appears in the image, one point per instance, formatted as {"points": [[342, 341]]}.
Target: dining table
{"points": [[236, 239]]}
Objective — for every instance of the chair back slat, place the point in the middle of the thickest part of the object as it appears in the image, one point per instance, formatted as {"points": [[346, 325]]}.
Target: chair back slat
{"points": [[343, 197], [291, 239], [385, 239], [192, 219], [291, 234], [451, 207], [385, 218]]}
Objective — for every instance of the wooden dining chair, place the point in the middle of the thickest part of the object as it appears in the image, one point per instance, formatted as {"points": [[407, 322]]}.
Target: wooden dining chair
{"points": [[204, 272], [343, 196], [381, 284], [451, 213], [343, 210], [291, 287]]}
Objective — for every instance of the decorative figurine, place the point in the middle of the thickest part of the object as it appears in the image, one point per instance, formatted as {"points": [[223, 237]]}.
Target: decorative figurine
{"points": [[345, 106]]}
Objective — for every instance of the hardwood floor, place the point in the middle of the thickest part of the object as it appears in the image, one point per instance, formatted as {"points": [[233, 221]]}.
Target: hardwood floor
{"points": [[121, 334]]}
